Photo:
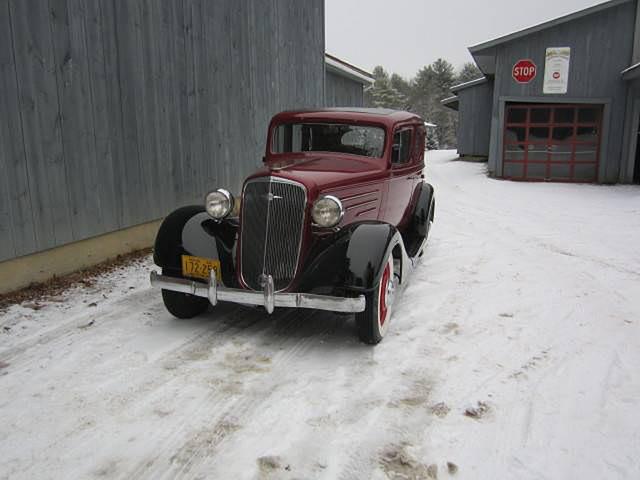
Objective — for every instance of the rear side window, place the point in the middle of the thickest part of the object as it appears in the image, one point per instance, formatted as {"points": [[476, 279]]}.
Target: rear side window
{"points": [[421, 134], [419, 143], [401, 146]]}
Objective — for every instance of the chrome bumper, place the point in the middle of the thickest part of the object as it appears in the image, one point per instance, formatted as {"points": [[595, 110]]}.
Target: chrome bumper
{"points": [[267, 298]]}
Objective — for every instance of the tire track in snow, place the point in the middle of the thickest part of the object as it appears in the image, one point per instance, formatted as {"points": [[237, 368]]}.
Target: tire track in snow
{"points": [[71, 329], [231, 409], [244, 406], [171, 437]]}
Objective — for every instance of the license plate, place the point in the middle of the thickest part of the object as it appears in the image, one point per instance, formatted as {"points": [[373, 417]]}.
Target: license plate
{"points": [[198, 267]]}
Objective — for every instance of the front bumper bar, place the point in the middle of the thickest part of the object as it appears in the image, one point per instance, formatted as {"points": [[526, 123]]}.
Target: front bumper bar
{"points": [[267, 298]]}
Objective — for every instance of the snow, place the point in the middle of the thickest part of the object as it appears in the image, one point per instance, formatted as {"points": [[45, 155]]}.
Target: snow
{"points": [[513, 353]]}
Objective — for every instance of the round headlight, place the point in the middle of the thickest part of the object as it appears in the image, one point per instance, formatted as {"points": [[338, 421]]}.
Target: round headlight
{"points": [[219, 203], [327, 211]]}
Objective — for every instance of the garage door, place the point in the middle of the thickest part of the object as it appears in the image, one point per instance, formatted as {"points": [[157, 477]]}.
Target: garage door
{"points": [[552, 142]]}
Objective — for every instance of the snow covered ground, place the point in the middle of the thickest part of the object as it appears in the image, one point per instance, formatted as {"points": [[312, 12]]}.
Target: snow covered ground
{"points": [[514, 353]]}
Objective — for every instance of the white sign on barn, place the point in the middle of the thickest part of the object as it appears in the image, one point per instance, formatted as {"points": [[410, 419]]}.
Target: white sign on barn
{"points": [[556, 70]]}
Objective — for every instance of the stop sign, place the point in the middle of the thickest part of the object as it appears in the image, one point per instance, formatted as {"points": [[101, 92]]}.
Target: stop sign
{"points": [[524, 71]]}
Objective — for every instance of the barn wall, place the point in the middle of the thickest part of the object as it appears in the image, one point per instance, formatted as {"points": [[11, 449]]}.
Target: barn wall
{"points": [[474, 119], [601, 47], [115, 113], [343, 92]]}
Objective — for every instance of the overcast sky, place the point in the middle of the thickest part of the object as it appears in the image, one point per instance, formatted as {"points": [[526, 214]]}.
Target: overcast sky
{"points": [[405, 35]]}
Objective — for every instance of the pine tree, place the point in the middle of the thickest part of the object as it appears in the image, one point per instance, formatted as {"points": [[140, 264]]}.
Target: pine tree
{"points": [[445, 119], [382, 94], [422, 94], [402, 86], [468, 72]]}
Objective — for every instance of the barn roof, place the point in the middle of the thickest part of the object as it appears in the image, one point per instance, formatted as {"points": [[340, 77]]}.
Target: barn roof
{"points": [[484, 53]]}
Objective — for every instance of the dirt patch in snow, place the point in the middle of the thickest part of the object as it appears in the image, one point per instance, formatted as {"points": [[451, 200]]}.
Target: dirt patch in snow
{"points": [[398, 463], [440, 409], [417, 396], [36, 293], [450, 328], [271, 466], [246, 362], [203, 442], [531, 364], [480, 410]]}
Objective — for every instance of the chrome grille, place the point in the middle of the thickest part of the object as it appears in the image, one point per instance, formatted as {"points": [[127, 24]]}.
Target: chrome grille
{"points": [[272, 224]]}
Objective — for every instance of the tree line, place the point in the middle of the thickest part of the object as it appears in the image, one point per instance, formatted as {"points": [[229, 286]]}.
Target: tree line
{"points": [[422, 94]]}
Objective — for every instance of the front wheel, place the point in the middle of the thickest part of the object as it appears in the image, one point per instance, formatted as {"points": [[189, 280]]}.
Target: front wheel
{"points": [[183, 305], [373, 323]]}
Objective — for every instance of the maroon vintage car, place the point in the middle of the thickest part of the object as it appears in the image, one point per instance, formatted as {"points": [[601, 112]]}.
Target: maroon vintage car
{"points": [[335, 220]]}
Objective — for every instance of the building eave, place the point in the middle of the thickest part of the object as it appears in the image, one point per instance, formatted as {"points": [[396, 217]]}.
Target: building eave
{"points": [[345, 69], [469, 84], [451, 102], [631, 73]]}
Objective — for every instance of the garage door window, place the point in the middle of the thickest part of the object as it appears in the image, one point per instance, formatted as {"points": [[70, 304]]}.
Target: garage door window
{"points": [[552, 142]]}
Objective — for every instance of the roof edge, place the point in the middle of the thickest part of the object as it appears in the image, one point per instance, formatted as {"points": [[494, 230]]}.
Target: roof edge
{"points": [[343, 68], [451, 102], [545, 25], [631, 72], [469, 84]]}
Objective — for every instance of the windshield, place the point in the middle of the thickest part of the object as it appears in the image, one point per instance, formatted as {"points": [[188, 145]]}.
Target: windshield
{"points": [[328, 137]]}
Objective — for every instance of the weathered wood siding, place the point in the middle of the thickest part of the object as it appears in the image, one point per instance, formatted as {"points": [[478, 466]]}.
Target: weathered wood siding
{"points": [[343, 92], [601, 47], [474, 119], [113, 113]]}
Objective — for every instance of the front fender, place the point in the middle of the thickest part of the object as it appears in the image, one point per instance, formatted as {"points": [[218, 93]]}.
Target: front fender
{"points": [[351, 259], [190, 231]]}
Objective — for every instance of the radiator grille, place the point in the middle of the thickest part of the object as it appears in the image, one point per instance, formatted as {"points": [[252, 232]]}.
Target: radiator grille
{"points": [[272, 225]]}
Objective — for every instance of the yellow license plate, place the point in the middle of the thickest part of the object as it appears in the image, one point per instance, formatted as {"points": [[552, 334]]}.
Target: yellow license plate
{"points": [[198, 267]]}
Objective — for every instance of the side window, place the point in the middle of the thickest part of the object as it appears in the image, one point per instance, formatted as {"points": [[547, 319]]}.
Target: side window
{"points": [[401, 146], [419, 144], [419, 140]]}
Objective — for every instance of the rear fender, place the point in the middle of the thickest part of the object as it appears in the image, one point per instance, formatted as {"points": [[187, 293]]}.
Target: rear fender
{"points": [[423, 212], [416, 235]]}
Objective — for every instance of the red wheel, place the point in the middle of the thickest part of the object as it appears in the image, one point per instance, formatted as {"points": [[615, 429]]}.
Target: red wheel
{"points": [[373, 323]]}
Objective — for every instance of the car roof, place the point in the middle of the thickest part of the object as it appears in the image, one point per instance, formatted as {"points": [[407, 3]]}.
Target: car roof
{"points": [[383, 116]]}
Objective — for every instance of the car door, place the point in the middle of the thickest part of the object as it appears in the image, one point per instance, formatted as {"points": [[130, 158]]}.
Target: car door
{"points": [[403, 175]]}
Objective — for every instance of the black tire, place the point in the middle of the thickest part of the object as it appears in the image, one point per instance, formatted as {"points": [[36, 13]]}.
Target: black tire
{"points": [[183, 305], [373, 323]]}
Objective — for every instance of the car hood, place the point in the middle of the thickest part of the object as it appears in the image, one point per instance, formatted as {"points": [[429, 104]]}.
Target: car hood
{"points": [[324, 172]]}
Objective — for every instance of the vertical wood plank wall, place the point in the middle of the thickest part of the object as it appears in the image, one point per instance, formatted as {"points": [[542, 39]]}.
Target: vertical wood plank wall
{"points": [[343, 92], [474, 119], [115, 112]]}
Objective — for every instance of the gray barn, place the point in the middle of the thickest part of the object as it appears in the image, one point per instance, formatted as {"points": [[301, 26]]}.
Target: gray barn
{"points": [[345, 83], [558, 101], [115, 113]]}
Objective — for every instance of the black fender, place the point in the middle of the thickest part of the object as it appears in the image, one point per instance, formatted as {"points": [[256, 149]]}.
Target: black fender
{"points": [[424, 210], [421, 218], [191, 231], [351, 259]]}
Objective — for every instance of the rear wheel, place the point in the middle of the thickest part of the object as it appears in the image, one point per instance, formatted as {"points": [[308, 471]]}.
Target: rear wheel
{"points": [[373, 323], [183, 305]]}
